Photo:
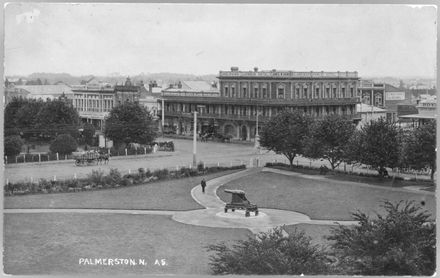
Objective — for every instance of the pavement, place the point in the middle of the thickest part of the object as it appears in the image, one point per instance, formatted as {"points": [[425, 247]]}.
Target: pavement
{"points": [[213, 215]]}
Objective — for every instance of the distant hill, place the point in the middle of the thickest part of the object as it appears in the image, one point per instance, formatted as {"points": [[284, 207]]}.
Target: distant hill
{"points": [[114, 78]]}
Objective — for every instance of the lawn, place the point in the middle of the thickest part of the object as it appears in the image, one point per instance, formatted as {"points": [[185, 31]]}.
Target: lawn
{"points": [[162, 195], [53, 243], [319, 199]]}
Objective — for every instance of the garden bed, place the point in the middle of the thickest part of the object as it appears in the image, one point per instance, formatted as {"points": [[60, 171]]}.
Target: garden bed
{"points": [[97, 180], [372, 179]]}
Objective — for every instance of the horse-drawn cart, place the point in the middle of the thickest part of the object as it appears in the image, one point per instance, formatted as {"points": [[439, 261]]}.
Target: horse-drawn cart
{"points": [[86, 158]]}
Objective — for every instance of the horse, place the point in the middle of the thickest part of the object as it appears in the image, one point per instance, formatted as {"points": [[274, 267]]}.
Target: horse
{"points": [[103, 157]]}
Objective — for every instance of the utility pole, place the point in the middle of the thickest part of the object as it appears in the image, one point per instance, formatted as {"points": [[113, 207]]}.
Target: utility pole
{"points": [[163, 115], [195, 140]]}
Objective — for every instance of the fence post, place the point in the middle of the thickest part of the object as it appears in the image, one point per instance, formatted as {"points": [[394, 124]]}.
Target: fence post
{"points": [[310, 163], [74, 176], [177, 168], [54, 178], [218, 164], [16, 160], [126, 152], [58, 158], [32, 180], [190, 166], [145, 150], [65, 157], [39, 157], [129, 171], [6, 159], [108, 151]]}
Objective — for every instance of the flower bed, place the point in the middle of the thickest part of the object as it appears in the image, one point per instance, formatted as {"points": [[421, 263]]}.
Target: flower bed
{"points": [[98, 180]]}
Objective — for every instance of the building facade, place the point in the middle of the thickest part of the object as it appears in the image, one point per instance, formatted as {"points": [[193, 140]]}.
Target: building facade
{"points": [[245, 94], [94, 101]]}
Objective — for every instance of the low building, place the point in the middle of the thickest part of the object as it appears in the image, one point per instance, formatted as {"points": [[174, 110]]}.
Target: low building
{"points": [[384, 96], [427, 111], [43, 92], [369, 113]]}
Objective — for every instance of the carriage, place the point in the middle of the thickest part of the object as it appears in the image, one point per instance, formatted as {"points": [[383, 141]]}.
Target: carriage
{"points": [[86, 158], [239, 201]]}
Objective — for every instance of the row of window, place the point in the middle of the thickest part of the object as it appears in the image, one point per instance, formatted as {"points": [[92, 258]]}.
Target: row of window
{"points": [[93, 105], [299, 93], [252, 110]]}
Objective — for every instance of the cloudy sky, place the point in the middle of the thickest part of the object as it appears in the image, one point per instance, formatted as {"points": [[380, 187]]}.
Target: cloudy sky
{"points": [[100, 39]]}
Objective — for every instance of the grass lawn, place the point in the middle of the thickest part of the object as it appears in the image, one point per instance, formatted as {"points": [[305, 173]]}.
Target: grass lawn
{"points": [[319, 199], [162, 195], [53, 243]]}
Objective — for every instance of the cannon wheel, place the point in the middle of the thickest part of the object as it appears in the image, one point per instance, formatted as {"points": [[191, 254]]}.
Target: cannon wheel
{"points": [[247, 213], [77, 162]]}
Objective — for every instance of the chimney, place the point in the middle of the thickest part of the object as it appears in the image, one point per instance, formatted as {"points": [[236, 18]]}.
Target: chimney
{"points": [[179, 85], [234, 69], [255, 69]]}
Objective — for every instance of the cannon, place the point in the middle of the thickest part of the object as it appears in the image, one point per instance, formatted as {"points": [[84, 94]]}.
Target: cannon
{"points": [[239, 201]]}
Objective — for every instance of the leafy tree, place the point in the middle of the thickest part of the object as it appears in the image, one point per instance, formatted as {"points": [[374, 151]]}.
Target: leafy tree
{"points": [[89, 133], [57, 117], [11, 111], [25, 117], [400, 243], [285, 132], [376, 144], [63, 144], [328, 139], [269, 253], [130, 123], [419, 148], [13, 145]]}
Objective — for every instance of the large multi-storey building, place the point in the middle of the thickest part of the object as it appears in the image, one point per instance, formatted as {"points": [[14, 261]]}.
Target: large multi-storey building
{"points": [[246, 94]]}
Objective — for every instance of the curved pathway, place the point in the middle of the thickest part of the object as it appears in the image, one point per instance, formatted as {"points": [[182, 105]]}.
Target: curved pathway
{"points": [[213, 215]]}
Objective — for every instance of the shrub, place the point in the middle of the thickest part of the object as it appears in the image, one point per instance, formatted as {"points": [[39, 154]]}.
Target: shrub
{"points": [[161, 173], [96, 177], [400, 243], [201, 166], [13, 145], [63, 144], [114, 176], [268, 254]]}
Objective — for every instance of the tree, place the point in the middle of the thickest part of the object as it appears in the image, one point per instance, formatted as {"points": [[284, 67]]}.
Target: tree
{"points": [[13, 145], [89, 133], [285, 132], [57, 117], [130, 123], [328, 139], [63, 144], [270, 253], [377, 144], [400, 243], [419, 148], [26, 117]]}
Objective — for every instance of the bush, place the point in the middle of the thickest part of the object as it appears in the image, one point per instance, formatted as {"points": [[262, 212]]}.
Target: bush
{"points": [[96, 177], [270, 254], [63, 144], [399, 243], [13, 145]]}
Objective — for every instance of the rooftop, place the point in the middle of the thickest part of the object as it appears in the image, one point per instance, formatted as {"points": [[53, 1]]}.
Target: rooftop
{"points": [[46, 89], [234, 72]]}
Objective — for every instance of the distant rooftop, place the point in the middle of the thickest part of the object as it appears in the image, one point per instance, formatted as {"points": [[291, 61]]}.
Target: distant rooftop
{"points": [[46, 89]]}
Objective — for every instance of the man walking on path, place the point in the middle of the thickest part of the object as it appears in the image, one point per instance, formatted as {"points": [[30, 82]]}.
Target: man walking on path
{"points": [[203, 184]]}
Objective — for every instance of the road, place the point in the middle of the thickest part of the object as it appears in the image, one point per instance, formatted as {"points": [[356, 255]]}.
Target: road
{"points": [[211, 153]]}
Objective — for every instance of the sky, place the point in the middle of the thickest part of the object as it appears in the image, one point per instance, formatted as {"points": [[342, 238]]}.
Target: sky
{"points": [[134, 38]]}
